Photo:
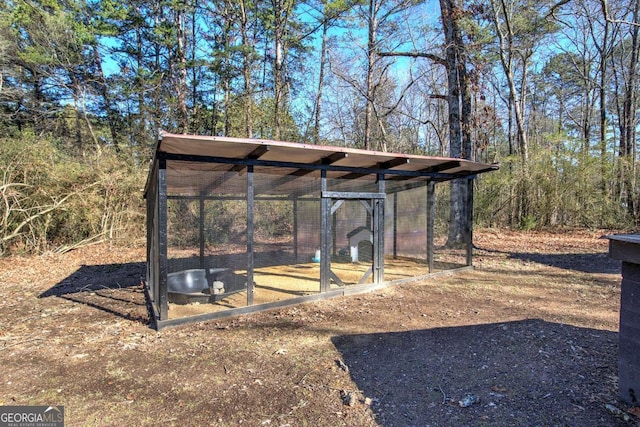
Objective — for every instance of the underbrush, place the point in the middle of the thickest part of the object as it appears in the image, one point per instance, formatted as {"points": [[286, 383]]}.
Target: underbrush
{"points": [[52, 199]]}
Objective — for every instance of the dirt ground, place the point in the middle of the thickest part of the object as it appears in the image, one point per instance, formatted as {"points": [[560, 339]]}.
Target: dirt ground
{"points": [[529, 338]]}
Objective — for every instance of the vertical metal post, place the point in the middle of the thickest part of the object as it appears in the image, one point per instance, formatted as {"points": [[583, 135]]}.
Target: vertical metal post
{"points": [[201, 210], [431, 216], [378, 233], [334, 230], [163, 301], [250, 224], [154, 269], [325, 235], [395, 225], [151, 200], [295, 229], [469, 222]]}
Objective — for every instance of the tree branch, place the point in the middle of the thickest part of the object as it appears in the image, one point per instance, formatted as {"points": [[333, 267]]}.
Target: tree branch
{"points": [[434, 58], [45, 210], [607, 17], [556, 6]]}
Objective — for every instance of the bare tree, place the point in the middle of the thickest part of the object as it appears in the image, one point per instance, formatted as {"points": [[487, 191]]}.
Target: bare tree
{"points": [[511, 56], [282, 14], [458, 99], [588, 43], [626, 81], [329, 12], [247, 66], [459, 102], [377, 13], [179, 67]]}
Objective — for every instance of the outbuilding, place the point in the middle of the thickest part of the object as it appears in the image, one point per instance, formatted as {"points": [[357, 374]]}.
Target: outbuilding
{"points": [[241, 225]]}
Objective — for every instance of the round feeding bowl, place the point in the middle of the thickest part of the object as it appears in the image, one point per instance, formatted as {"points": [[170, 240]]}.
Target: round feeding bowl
{"points": [[187, 281]]}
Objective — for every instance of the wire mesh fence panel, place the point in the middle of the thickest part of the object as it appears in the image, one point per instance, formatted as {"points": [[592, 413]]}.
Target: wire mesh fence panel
{"points": [[449, 253], [153, 266], [410, 223], [308, 226], [442, 218], [236, 237], [351, 242], [206, 238], [286, 235], [406, 234], [351, 229]]}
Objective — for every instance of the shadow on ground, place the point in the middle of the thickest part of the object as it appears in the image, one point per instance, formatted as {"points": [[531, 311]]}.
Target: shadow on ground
{"points": [[594, 263], [112, 288], [587, 263], [529, 372]]}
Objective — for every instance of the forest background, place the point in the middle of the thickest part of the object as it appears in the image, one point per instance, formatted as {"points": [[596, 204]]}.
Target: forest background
{"points": [[549, 89]]}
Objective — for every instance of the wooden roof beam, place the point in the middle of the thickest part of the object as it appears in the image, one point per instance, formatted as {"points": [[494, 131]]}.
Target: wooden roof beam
{"points": [[390, 164], [440, 167], [327, 160], [432, 169], [254, 155]]}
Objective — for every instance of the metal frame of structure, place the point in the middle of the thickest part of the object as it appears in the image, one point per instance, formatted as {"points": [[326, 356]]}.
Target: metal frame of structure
{"points": [[390, 171]]}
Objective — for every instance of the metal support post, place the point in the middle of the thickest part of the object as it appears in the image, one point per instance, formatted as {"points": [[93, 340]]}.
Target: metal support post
{"points": [[325, 235], [431, 217], [163, 297], [469, 222], [250, 225]]}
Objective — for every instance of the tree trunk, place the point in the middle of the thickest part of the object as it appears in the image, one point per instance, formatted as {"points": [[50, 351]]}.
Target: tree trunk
{"points": [[102, 88], [246, 69], [157, 94], [505, 41], [371, 51], [318, 112], [517, 98], [180, 62], [603, 51], [224, 73], [76, 105], [139, 126], [459, 102], [280, 21], [629, 122], [196, 124]]}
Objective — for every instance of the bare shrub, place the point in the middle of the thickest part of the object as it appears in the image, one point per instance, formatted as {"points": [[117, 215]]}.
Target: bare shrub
{"points": [[52, 201]]}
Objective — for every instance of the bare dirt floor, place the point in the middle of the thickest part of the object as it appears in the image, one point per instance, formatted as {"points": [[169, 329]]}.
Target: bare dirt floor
{"points": [[529, 338]]}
